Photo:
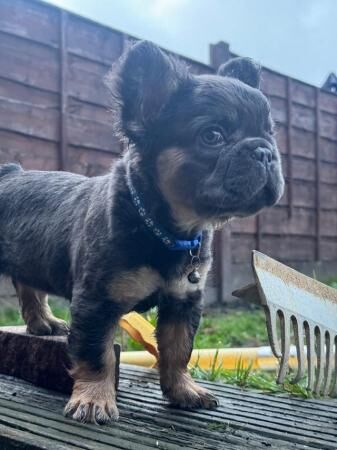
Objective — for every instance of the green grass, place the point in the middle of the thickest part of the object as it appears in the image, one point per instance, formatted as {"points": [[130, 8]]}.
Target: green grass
{"points": [[12, 316], [246, 378], [332, 282], [237, 328]]}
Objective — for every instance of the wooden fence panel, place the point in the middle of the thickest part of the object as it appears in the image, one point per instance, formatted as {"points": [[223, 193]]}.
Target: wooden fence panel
{"points": [[54, 114]]}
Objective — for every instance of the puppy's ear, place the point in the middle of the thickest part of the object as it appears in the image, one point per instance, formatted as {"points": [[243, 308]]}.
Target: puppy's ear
{"points": [[141, 83], [244, 69]]}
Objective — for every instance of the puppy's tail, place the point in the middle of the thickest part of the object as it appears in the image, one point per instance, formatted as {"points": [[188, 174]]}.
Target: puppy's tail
{"points": [[6, 169]]}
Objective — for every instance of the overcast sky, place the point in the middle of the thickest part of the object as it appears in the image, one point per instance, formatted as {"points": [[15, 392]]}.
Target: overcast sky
{"points": [[295, 37]]}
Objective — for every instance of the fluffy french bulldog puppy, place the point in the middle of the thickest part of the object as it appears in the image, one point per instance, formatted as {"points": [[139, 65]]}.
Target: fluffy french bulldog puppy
{"points": [[201, 150]]}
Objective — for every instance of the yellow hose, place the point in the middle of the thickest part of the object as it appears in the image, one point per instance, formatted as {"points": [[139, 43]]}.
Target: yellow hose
{"points": [[259, 358], [144, 333]]}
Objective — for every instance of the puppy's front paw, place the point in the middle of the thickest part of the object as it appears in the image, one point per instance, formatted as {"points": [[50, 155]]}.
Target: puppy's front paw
{"points": [[93, 401], [95, 411], [185, 393]]}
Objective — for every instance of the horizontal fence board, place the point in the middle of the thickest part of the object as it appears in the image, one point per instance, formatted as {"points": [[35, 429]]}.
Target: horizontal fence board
{"points": [[328, 102], [302, 169], [285, 248], [29, 63], [289, 248], [304, 194], [32, 153], [244, 225], [22, 93], [329, 250], [328, 224], [303, 118], [29, 120], [305, 169], [89, 162], [89, 111], [328, 196], [90, 134], [273, 83], [328, 150], [92, 40], [85, 80], [328, 173], [277, 221], [241, 247], [328, 125], [302, 93], [303, 142], [31, 20]]}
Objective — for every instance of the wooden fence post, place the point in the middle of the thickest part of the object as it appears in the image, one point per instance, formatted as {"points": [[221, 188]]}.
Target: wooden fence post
{"points": [[289, 149], [63, 59], [218, 54], [318, 175]]}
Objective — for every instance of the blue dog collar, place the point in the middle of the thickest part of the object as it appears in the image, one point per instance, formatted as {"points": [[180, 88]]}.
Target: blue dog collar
{"points": [[167, 239]]}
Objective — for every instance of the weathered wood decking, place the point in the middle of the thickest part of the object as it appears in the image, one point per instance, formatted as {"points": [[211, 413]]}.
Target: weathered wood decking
{"points": [[31, 418]]}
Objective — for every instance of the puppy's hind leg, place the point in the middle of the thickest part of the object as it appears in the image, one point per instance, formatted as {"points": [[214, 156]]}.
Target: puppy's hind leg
{"points": [[36, 312]]}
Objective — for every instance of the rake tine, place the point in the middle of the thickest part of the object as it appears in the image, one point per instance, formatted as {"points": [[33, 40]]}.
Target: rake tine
{"points": [[310, 338], [320, 360], [329, 364], [271, 316], [299, 342], [333, 391], [285, 343]]}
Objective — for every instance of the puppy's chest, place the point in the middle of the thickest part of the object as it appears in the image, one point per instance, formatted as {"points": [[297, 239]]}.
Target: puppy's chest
{"points": [[133, 286]]}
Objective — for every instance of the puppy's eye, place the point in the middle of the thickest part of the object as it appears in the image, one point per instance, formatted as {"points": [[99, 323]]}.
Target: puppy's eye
{"points": [[212, 137]]}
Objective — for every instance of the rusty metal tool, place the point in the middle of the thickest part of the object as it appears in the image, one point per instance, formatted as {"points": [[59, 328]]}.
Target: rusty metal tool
{"points": [[297, 305]]}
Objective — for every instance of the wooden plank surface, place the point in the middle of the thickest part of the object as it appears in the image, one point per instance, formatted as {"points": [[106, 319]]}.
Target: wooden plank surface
{"points": [[244, 420]]}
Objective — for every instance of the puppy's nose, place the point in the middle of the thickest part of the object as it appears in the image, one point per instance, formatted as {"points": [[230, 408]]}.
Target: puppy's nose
{"points": [[263, 155]]}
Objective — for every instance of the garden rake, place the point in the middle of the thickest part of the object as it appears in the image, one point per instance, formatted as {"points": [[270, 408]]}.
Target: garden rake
{"points": [[299, 305]]}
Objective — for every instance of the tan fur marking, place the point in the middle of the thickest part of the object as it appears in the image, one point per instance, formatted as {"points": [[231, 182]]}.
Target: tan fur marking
{"points": [[168, 163], [134, 285], [36, 312]]}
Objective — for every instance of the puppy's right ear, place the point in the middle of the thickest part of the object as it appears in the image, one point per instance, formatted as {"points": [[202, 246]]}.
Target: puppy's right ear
{"points": [[244, 69], [141, 83]]}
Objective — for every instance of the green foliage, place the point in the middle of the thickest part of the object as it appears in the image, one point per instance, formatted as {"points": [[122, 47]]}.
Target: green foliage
{"points": [[332, 282], [10, 316], [238, 328], [246, 378]]}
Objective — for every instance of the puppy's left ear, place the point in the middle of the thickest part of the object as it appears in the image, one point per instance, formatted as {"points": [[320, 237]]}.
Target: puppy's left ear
{"points": [[243, 69]]}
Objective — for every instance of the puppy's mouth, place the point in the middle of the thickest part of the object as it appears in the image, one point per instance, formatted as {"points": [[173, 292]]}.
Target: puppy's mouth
{"points": [[245, 195]]}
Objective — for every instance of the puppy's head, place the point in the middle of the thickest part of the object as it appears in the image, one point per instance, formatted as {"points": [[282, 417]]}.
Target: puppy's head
{"points": [[206, 141]]}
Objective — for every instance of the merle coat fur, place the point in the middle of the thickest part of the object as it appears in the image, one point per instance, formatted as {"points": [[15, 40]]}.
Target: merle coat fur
{"points": [[200, 151]]}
